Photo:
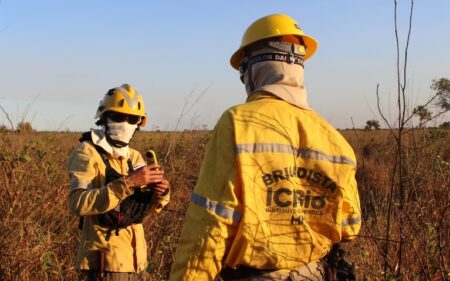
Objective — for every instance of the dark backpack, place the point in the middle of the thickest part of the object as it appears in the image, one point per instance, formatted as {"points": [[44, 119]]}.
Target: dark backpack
{"points": [[336, 267], [132, 209]]}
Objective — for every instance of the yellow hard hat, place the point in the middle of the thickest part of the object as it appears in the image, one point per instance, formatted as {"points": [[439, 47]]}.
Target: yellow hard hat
{"points": [[272, 26], [124, 99]]}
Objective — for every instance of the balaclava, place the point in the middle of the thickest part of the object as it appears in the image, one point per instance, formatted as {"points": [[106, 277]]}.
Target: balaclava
{"points": [[119, 134], [273, 68], [114, 137]]}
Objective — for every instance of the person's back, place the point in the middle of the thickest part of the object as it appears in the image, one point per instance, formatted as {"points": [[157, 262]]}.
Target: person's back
{"points": [[277, 187], [294, 168]]}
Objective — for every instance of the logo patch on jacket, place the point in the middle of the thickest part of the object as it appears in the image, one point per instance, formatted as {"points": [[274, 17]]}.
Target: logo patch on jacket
{"points": [[298, 200]]}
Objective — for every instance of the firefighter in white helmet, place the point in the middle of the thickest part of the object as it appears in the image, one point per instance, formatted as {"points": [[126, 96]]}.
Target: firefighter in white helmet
{"points": [[277, 185], [112, 189]]}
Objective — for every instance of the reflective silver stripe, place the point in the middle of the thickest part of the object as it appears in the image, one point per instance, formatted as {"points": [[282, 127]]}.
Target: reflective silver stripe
{"points": [[351, 221], [313, 154], [215, 207], [138, 165], [265, 147], [131, 102], [299, 152], [76, 184]]}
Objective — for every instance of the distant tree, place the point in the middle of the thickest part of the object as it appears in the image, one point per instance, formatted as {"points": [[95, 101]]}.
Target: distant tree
{"points": [[445, 125], [24, 127], [4, 129], [442, 88], [423, 113], [372, 124], [437, 105]]}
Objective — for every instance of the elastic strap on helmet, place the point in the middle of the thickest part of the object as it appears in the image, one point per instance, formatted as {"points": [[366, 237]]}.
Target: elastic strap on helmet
{"points": [[289, 52], [288, 47], [247, 65], [116, 143]]}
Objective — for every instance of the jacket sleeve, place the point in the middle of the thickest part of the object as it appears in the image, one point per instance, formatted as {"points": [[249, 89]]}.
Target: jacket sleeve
{"points": [[159, 202], [213, 214], [84, 199], [351, 210]]}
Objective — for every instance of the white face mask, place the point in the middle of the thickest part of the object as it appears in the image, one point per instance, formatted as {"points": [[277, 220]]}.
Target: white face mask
{"points": [[121, 132]]}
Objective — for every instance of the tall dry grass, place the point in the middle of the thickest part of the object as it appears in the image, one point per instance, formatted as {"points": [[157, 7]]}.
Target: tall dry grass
{"points": [[422, 226], [39, 237]]}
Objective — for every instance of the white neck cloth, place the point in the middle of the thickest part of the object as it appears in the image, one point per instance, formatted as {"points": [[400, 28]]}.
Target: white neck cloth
{"points": [[99, 138]]}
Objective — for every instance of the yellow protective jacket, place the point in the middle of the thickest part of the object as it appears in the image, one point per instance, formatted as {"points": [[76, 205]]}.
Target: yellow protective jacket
{"points": [[89, 196], [276, 190]]}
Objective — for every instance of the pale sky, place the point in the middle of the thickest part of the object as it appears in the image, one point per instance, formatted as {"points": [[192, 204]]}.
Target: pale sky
{"points": [[58, 58]]}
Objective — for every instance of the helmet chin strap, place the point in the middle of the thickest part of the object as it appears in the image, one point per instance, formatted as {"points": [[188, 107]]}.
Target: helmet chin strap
{"points": [[115, 143]]}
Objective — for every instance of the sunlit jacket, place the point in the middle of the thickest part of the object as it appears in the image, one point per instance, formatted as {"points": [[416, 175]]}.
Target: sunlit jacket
{"points": [[276, 190], [125, 252]]}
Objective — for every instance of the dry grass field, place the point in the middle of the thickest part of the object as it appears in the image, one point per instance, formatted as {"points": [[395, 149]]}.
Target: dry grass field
{"points": [[39, 237]]}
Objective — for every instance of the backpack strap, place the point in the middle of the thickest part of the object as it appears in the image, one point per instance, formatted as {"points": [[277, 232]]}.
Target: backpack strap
{"points": [[86, 136], [130, 166]]}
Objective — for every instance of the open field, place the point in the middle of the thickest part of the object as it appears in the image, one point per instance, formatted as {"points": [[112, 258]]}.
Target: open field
{"points": [[39, 237]]}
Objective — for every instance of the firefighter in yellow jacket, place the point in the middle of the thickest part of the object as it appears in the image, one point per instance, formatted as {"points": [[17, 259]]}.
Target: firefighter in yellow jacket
{"points": [[277, 185], [112, 189]]}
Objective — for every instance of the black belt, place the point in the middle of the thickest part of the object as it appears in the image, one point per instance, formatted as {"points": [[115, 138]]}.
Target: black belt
{"points": [[241, 272]]}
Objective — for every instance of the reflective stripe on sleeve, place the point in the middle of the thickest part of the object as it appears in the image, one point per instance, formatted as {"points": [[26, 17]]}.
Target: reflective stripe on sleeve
{"points": [[131, 102], [350, 221], [138, 165], [76, 184], [216, 208], [299, 152]]}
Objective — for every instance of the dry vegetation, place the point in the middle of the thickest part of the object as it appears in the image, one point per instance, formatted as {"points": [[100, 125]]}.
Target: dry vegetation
{"points": [[423, 222], [39, 237]]}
